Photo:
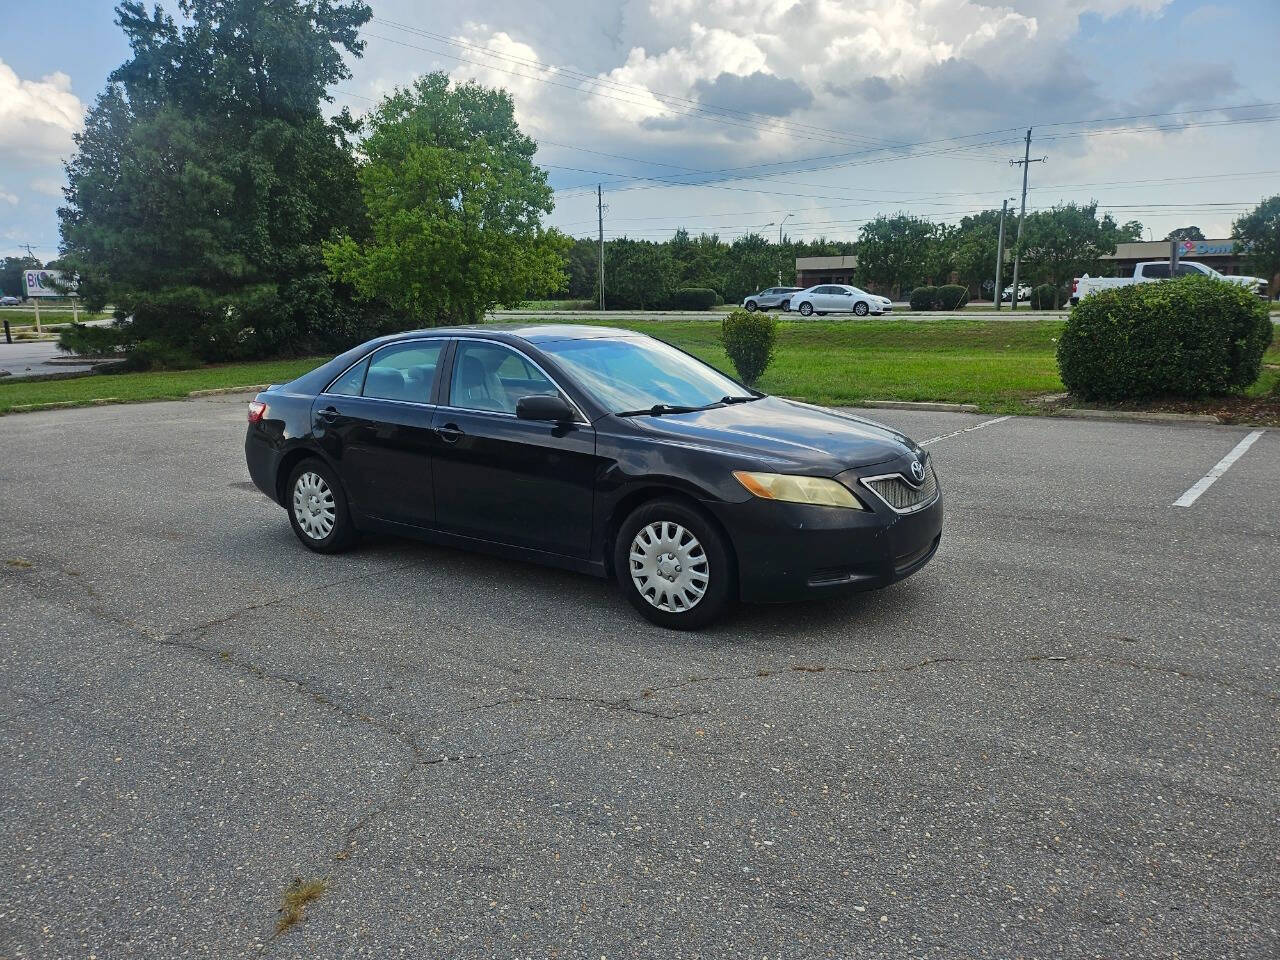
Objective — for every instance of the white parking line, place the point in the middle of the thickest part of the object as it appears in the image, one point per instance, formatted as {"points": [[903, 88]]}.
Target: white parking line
{"points": [[976, 426], [1205, 482]]}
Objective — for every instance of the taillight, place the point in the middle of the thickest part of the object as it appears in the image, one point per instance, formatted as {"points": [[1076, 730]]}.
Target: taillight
{"points": [[1075, 286], [257, 410]]}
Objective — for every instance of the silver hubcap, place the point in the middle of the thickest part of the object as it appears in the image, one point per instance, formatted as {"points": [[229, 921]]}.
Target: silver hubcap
{"points": [[669, 566], [313, 506]]}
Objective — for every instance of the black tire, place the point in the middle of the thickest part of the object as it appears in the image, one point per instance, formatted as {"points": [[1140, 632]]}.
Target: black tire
{"points": [[786, 306], [751, 306], [861, 309], [806, 309], [717, 565], [342, 534]]}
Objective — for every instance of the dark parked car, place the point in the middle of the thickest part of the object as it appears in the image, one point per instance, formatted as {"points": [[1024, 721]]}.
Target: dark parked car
{"points": [[599, 450]]}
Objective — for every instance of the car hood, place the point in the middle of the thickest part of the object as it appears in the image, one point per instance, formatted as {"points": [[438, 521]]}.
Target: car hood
{"points": [[787, 434]]}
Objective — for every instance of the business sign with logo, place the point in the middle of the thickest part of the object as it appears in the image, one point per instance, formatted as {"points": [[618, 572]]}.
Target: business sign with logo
{"points": [[44, 283], [1208, 248]]}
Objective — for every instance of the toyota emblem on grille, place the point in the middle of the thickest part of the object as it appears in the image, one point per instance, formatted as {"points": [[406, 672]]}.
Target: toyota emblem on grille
{"points": [[917, 471]]}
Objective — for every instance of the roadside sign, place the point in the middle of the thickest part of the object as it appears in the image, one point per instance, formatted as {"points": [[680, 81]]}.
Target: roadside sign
{"points": [[44, 283]]}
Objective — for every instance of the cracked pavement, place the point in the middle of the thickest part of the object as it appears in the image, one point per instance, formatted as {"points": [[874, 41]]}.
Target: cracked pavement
{"points": [[1059, 739]]}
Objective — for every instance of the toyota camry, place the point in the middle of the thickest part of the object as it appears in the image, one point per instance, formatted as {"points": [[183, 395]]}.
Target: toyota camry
{"points": [[602, 451]]}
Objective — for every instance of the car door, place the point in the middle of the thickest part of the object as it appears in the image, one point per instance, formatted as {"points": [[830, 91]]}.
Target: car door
{"points": [[375, 422], [843, 300], [527, 483]]}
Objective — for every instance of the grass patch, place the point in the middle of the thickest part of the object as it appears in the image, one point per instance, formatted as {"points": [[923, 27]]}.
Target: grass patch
{"points": [[844, 362], [295, 899], [999, 366], [557, 305], [158, 385]]}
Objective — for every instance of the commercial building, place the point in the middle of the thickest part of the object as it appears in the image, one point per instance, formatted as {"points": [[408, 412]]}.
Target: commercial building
{"points": [[814, 270]]}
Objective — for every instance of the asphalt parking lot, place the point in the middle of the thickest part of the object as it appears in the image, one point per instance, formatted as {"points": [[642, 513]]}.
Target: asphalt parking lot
{"points": [[1059, 739]]}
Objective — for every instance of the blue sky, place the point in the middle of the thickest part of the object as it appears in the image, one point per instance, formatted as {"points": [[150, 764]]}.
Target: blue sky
{"points": [[638, 93]]}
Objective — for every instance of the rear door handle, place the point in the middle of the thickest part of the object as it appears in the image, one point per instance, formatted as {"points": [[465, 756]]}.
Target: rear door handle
{"points": [[450, 433]]}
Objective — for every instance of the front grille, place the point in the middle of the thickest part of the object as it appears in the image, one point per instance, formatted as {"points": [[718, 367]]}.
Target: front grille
{"points": [[901, 495]]}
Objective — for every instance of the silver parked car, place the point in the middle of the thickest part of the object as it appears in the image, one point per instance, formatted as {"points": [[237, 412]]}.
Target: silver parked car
{"points": [[9, 301], [772, 298]]}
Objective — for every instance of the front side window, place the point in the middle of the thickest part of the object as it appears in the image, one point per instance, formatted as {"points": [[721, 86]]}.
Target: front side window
{"points": [[490, 376], [637, 373], [404, 371]]}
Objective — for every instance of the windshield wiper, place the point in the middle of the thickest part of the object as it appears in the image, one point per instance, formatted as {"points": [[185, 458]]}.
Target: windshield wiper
{"points": [[658, 409], [746, 399]]}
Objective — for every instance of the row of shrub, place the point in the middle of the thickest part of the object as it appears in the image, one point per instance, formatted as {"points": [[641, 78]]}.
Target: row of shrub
{"points": [[951, 296], [695, 298]]}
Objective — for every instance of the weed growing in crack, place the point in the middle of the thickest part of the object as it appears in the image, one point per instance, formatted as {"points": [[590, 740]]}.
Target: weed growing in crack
{"points": [[296, 897]]}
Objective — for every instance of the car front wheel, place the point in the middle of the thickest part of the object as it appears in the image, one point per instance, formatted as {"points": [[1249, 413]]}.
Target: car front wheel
{"points": [[806, 309], [674, 565], [318, 508], [751, 306], [860, 308]]}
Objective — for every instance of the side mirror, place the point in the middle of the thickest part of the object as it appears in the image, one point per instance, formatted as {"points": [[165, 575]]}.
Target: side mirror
{"points": [[554, 409]]}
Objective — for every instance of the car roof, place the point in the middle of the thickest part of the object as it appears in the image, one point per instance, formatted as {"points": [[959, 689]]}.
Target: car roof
{"points": [[528, 332]]}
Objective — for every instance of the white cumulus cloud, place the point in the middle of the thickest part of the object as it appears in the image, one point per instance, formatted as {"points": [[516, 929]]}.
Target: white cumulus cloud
{"points": [[38, 117]]}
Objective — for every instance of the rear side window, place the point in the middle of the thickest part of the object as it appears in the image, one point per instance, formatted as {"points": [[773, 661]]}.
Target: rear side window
{"points": [[1156, 271], [352, 382], [404, 371]]}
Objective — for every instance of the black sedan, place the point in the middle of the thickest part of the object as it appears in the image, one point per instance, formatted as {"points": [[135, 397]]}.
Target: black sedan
{"points": [[602, 451]]}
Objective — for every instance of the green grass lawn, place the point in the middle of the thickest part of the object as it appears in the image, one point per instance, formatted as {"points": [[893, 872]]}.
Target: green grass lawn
{"points": [[160, 385], [996, 365]]}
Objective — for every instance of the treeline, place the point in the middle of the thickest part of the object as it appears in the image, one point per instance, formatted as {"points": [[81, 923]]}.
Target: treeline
{"points": [[647, 274], [895, 254]]}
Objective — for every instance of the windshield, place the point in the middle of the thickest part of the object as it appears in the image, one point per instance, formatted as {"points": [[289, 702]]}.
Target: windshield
{"points": [[634, 374]]}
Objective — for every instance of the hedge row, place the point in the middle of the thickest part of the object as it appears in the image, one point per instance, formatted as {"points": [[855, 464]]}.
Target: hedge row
{"points": [[951, 296]]}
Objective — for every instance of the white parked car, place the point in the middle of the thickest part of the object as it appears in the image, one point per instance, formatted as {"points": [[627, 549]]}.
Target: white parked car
{"points": [[836, 298], [1152, 270], [1024, 293]]}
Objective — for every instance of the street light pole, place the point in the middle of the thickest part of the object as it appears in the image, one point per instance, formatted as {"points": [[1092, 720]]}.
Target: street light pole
{"points": [[1004, 207], [784, 220]]}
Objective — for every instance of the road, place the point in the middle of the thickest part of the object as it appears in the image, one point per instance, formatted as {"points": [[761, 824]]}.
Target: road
{"points": [[1059, 739]]}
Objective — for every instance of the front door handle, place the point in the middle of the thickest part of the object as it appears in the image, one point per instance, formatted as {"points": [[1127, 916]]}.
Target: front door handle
{"points": [[450, 433], [328, 414]]}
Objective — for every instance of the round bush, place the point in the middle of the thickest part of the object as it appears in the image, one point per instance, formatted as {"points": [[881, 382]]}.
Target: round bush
{"points": [[749, 339], [1187, 337], [694, 298], [951, 296], [1042, 297], [923, 298]]}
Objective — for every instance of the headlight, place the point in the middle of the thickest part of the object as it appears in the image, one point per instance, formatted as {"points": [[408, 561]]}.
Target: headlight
{"points": [[815, 490]]}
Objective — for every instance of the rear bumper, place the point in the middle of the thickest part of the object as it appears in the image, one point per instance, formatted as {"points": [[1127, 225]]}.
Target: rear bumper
{"points": [[789, 551], [263, 460]]}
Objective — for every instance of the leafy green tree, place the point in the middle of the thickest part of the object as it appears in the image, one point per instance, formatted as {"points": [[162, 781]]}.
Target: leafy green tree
{"points": [[638, 274], [1257, 235], [454, 203], [752, 263], [975, 245], [1065, 241], [1185, 233], [206, 178], [892, 251], [11, 269], [1129, 231]]}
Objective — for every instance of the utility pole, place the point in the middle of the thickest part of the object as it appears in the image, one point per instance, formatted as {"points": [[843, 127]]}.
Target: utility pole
{"points": [[600, 217], [1004, 206], [1026, 163]]}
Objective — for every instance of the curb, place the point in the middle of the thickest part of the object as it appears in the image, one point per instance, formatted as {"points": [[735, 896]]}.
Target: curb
{"points": [[1144, 416], [219, 391], [63, 405], [931, 407]]}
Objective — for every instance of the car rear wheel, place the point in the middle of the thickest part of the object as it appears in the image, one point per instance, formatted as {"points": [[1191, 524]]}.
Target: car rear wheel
{"points": [[674, 565], [318, 508], [806, 309], [860, 308], [751, 306]]}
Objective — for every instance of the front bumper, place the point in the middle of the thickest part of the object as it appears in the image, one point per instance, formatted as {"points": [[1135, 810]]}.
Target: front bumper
{"points": [[791, 551]]}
